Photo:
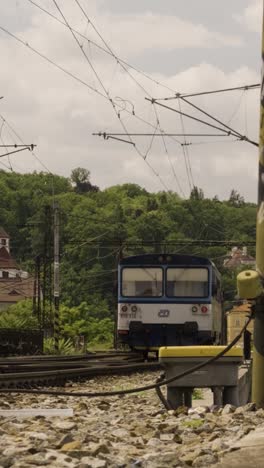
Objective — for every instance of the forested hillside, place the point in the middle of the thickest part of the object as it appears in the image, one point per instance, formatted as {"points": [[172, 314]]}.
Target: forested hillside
{"points": [[99, 225]]}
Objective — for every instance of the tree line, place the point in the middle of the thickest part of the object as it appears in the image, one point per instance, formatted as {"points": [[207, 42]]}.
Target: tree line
{"points": [[97, 226]]}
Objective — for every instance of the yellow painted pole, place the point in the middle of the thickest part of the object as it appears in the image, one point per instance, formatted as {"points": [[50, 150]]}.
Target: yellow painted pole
{"points": [[258, 350]]}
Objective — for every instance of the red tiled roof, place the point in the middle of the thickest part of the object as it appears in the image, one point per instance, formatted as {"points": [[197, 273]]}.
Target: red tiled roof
{"points": [[6, 261], [3, 233]]}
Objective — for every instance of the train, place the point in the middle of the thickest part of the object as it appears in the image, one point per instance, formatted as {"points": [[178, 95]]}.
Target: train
{"points": [[169, 300]]}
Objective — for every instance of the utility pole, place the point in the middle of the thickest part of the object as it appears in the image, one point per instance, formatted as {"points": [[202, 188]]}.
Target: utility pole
{"points": [[258, 350], [38, 291], [45, 264], [56, 278]]}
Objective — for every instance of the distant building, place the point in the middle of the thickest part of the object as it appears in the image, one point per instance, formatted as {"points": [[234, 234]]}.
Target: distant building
{"points": [[236, 319], [239, 257], [15, 285]]}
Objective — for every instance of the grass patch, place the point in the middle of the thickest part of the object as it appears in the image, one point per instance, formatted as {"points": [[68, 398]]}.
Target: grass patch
{"points": [[193, 424], [197, 394]]}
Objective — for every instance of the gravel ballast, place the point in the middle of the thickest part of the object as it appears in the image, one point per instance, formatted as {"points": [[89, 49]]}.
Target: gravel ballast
{"points": [[129, 431]]}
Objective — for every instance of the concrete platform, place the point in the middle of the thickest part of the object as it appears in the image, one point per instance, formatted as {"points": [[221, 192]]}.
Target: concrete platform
{"points": [[247, 452]]}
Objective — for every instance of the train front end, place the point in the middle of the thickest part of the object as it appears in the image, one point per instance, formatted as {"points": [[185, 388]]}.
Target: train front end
{"points": [[167, 300]]}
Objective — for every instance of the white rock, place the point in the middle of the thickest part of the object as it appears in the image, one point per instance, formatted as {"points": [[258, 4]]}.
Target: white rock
{"points": [[92, 462], [228, 409], [37, 435], [65, 425], [120, 433], [199, 410]]}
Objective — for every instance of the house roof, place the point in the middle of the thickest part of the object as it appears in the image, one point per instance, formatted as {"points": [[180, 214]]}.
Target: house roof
{"points": [[244, 308], [238, 259], [16, 289], [3, 233], [6, 261]]}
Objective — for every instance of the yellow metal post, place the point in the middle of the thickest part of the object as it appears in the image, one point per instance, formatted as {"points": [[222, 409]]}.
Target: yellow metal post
{"points": [[258, 351]]}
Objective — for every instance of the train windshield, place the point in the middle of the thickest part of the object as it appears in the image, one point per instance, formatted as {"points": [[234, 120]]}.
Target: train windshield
{"points": [[187, 282], [142, 282]]}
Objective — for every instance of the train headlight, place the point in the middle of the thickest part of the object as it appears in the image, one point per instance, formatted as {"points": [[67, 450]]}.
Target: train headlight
{"points": [[204, 309], [194, 309], [124, 308], [134, 308]]}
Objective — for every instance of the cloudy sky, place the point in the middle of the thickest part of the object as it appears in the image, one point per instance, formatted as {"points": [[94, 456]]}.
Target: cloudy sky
{"points": [[181, 46]]}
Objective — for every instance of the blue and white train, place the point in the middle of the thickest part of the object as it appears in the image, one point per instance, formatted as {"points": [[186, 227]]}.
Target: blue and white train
{"points": [[169, 300]]}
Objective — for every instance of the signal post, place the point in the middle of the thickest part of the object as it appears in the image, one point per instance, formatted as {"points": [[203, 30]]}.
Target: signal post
{"points": [[258, 350]]}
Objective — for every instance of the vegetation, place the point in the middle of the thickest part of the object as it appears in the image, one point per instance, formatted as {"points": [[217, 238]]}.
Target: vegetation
{"points": [[95, 225]]}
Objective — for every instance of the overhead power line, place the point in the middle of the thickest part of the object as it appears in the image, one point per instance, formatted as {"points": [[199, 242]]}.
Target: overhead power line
{"points": [[203, 93], [107, 50], [242, 137], [201, 242], [4, 120], [111, 101], [107, 134], [30, 148], [227, 132]]}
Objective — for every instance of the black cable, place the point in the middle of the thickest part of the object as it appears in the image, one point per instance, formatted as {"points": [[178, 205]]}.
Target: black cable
{"points": [[237, 88], [102, 48], [154, 101], [186, 153], [106, 134], [203, 93], [162, 398], [235, 132], [138, 389], [111, 101]]}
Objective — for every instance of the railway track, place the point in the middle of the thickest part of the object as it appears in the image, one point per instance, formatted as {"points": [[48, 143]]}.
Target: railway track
{"points": [[57, 370]]}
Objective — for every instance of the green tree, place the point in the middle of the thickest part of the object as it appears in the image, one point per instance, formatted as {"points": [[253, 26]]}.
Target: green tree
{"points": [[80, 177]]}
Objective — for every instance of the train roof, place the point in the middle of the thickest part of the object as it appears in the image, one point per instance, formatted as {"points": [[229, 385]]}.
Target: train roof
{"points": [[166, 259]]}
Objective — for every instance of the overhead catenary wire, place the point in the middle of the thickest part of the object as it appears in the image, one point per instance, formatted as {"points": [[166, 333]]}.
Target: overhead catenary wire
{"points": [[236, 109], [21, 140], [163, 134], [16, 151], [217, 91], [26, 44], [186, 153], [168, 155], [114, 55], [234, 132], [1, 138], [144, 156], [201, 121], [88, 86], [143, 89], [244, 87], [122, 65], [102, 48], [108, 47], [204, 242]]}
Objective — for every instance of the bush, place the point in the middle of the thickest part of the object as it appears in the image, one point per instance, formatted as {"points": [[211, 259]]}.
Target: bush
{"points": [[19, 316], [65, 346]]}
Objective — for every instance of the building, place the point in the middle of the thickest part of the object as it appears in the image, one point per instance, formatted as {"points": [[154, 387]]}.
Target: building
{"points": [[15, 284], [238, 258], [236, 319]]}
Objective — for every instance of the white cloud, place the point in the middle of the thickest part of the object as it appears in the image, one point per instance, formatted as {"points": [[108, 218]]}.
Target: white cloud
{"points": [[251, 17], [60, 115], [135, 34]]}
